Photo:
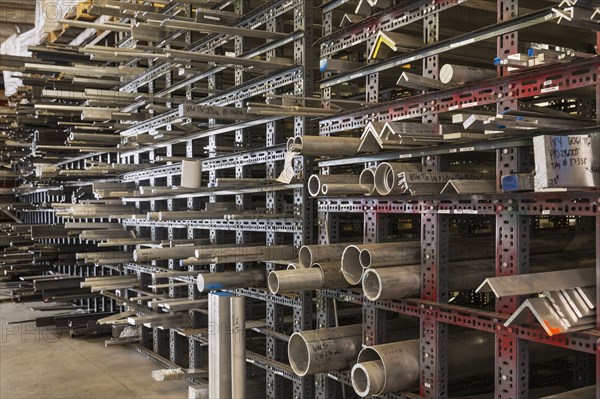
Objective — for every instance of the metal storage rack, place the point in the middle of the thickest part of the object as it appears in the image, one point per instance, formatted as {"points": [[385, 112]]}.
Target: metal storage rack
{"points": [[240, 149], [248, 148], [432, 215], [43, 215], [249, 153]]}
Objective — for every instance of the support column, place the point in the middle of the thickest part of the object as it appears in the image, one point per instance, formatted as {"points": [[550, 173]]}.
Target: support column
{"points": [[435, 231]]}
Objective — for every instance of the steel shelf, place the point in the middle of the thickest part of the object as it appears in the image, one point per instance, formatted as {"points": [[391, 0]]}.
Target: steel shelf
{"points": [[521, 140], [251, 146], [238, 159], [282, 225], [528, 203], [534, 82], [252, 88], [218, 191], [391, 18], [477, 319], [440, 47]]}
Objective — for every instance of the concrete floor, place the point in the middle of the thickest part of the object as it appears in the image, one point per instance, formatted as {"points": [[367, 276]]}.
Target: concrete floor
{"points": [[41, 363]]}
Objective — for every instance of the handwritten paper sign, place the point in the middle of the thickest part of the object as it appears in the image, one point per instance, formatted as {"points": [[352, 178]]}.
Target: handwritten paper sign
{"points": [[567, 161]]}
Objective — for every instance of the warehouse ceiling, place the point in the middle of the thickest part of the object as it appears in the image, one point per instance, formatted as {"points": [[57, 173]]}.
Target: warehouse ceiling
{"points": [[15, 17]]}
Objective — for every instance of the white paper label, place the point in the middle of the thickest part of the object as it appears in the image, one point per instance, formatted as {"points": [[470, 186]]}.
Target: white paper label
{"points": [[549, 89]]}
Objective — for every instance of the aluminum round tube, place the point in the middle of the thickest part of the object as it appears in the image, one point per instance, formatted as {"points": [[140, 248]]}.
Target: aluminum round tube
{"points": [[395, 282], [386, 177], [332, 275], [293, 266], [317, 146], [459, 74], [357, 257], [315, 182], [344, 189], [367, 179], [219, 345], [386, 368], [390, 254], [327, 349], [391, 282], [238, 346], [397, 363], [368, 377], [306, 279], [310, 254], [230, 280]]}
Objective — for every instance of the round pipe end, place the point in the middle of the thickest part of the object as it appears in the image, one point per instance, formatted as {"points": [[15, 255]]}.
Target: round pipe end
{"points": [[446, 73], [365, 258], [371, 284], [200, 283], [368, 378], [383, 174], [367, 179], [273, 282], [298, 354], [351, 267], [314, 185], [305, 257]]}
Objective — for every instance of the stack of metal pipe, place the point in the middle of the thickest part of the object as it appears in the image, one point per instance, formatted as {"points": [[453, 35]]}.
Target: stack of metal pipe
{"points": [[393, 270], [318, 268]]}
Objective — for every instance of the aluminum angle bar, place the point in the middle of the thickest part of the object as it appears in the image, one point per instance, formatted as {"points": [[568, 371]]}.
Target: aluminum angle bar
{"points": [[458, 186], [534, 283], [446, 45], [556, 312]]}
